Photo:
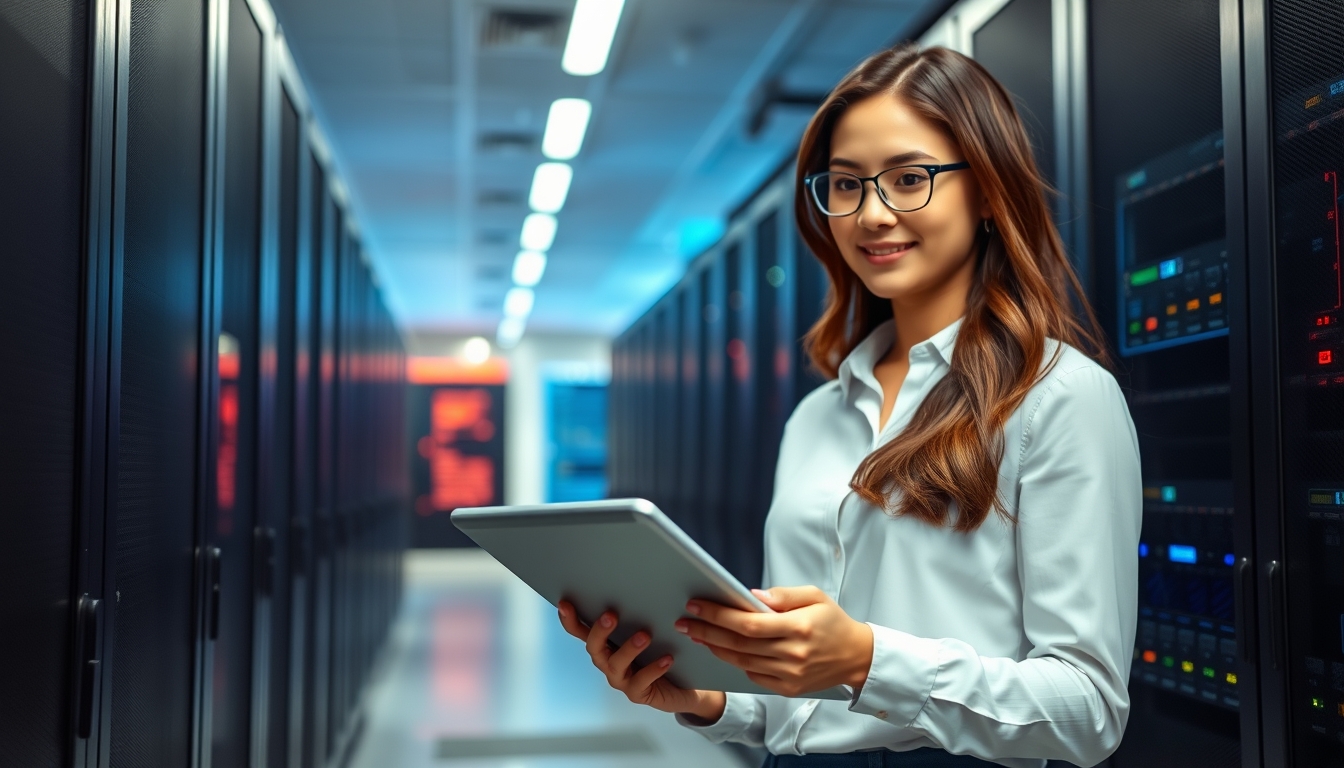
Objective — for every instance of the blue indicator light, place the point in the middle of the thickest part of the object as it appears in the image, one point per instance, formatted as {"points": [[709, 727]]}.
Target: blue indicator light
{"points": [[1169, 268], [1229, 559], [1135, 309], [1168, 493], [1137, 179], [1180, 553], [1337, 88], [1339, 498], [1143, 550]]}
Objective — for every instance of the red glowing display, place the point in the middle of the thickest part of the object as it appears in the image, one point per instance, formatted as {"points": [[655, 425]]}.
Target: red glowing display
{"points": [[1325, 357], [459, 418]]}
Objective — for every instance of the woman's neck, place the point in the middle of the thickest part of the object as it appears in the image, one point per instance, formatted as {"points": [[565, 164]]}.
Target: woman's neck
{"points": [[919, 318]]}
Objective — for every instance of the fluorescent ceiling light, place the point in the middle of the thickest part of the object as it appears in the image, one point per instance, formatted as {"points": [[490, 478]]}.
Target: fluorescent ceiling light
{"points": [[476, 350], [510, 332], [518, 302], [550, 187], [590, 34], [528, 267], [538, 232], [565, 126]]}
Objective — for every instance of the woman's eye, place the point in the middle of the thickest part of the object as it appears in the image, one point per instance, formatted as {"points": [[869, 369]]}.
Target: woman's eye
{"points": [[909, 180], [846, 185]]}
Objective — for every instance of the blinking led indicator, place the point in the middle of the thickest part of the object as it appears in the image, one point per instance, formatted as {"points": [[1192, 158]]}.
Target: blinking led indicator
{"points": [[1187, 666], [1325, 357], [1150, 657], [1231, 678], [1192, 305], [1150, 324], [1216, 298], [1317, 702], [1171, 309]]}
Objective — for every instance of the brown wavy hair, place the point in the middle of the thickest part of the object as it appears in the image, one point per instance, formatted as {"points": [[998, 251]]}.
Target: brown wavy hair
{"points": [[1025, 291]]}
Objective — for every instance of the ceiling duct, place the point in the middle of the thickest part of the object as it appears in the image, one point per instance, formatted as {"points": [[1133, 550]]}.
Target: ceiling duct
{"points": [[516, 142], [532, 29]]}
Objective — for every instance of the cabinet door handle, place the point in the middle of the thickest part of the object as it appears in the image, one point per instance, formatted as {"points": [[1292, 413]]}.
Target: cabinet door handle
{"points": [[264, 554], [214, 558], [88, 614], [1244, 584], [1274, 575]]}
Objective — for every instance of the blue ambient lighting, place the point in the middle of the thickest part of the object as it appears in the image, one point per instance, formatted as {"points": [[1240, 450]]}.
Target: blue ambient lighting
{"points": [[1143, 550], [1180, 553], [1229, 559], [1168, 493]]}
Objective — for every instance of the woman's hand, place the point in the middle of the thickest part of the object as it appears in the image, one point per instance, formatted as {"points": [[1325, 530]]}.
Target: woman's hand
{"points": [[811, 643], [643, 686]]}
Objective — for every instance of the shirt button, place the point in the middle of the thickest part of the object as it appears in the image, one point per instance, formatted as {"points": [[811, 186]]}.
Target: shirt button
{"points": [[881, 714]]}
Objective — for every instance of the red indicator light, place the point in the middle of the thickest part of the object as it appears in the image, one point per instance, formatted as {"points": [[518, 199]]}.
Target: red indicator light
{"points": [[1150, 657], [1325, 357], [1150, 324]]}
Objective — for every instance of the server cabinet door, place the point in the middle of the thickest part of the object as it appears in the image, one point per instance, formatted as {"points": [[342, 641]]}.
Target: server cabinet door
{"points": [[810, 285], [1016, 45], [234, 527], [690, 403], [163, 352], [43, 62], [740, 439], [1162, 260], [772, 368], [666, 411], [713, 431], [1307, 636]]}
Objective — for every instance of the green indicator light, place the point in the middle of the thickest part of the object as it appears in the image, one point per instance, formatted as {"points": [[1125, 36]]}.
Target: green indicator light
{"points": [[1144, 276], [1168, 661], [1135, 327], [1209, 672], [1317, 703]]}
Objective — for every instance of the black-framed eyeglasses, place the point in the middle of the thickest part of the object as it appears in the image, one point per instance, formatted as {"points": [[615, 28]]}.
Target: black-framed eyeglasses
{"points": [[903, 189]]}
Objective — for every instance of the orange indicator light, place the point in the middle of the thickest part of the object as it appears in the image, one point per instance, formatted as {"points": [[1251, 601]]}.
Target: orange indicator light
{"points": [[1192, 305], [1216, 298], [1150, 657], [1171, 309]]}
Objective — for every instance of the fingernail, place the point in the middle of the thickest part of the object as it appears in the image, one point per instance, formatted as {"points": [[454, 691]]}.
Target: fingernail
{"points": [[764, 594], [693, 609], [682, 627], [641, 641], [606, 620], [665, 662]]}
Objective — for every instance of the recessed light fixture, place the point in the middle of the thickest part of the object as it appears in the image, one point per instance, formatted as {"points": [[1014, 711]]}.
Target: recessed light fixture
{"points": [[590, 35], [518, 302], [550, 187], [565, 127], [528, 267], [510, 332], [476, 350], [538, 232]]}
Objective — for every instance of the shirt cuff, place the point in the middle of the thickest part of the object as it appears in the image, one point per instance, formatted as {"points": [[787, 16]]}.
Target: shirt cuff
{"points": [[901, 677], [736, 719]]}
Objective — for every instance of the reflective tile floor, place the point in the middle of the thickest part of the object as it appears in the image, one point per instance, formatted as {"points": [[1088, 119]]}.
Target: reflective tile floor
{"points": [[479, 674]]}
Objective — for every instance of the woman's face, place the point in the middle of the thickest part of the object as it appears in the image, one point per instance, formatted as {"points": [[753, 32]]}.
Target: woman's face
{"points": [[909, 258]]}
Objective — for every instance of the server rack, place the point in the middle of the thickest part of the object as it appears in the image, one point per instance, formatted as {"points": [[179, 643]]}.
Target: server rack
{"points": [[166, 183]]}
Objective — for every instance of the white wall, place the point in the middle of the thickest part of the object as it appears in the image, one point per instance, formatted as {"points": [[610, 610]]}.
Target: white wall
{"points": [[537, 358]]}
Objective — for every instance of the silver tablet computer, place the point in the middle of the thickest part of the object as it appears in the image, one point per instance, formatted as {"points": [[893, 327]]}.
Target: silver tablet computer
{"points": [[627, 556]]}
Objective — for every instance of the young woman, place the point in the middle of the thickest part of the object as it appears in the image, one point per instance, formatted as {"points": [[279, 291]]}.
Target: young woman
{"points": [[956, 515]]}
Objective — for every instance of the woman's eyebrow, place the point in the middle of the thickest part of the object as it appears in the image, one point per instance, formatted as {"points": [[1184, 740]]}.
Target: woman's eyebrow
{"points": [[894, 160]]}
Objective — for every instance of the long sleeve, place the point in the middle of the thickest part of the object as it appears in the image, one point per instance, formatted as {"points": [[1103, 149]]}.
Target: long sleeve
{"points": [[743, 721], [1078, 509]]}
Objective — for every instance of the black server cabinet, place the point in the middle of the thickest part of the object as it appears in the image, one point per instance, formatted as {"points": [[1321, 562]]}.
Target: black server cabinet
{"points": [[740, 439], [43, 66], [232, 529], [1305, 146], [1016, 45], [1160, 245], [772, 384], [811, 285], [159, 354], [713, 473], [667, 434], [690, 403]]}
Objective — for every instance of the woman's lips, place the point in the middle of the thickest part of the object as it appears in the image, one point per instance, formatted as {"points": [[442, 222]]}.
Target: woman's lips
{"points": [[884, 253]]}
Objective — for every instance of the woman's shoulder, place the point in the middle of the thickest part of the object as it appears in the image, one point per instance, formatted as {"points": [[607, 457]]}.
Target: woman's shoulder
{"points": [[1069, 375]]}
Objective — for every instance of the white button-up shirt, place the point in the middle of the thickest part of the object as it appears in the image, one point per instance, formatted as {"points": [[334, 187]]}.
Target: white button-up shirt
{"points": [[1012, 643]]}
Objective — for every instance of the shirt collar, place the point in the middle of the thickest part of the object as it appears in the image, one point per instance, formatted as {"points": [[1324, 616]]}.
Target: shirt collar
{"points": [[865, 357]]}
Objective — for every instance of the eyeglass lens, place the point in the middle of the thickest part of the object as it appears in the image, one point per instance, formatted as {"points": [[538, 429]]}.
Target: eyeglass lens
{"points": [[904, 189]]}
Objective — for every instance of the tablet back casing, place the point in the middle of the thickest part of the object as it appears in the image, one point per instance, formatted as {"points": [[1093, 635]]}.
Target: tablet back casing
{"points": [[623, 555]]}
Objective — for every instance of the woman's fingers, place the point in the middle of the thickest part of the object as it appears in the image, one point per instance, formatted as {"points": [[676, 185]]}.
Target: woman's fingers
{"points": [[749, 662], [569, 619], [639, 684], [723, 638], [618, 666], [597, 639]]}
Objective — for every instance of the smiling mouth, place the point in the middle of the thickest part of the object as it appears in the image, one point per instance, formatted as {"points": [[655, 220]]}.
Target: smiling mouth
{"points": [[886, 249]]}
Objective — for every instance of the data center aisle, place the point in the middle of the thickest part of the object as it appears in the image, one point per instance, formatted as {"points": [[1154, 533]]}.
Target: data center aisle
{"points": [[478, 674]]}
